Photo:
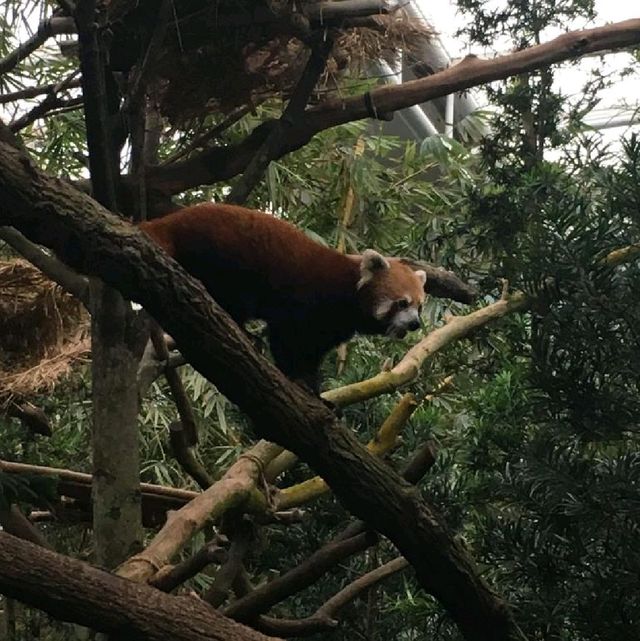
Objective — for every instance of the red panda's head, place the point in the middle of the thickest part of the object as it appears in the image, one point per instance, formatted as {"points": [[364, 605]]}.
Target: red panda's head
{"points": [[391, 293]]}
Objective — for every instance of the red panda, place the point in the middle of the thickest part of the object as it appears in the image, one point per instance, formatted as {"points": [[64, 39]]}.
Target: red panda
{"points": [[311, 297]]}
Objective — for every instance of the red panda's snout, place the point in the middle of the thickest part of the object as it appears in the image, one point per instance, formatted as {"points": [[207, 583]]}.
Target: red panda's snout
{"points": [[404, 321]]}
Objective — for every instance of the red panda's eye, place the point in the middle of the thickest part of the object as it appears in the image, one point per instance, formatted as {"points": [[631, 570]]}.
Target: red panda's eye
{"points": [[403, 303]]}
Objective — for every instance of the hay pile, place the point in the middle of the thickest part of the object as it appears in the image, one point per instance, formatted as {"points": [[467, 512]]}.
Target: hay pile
{"points": [[43, 332], [221, 55]]}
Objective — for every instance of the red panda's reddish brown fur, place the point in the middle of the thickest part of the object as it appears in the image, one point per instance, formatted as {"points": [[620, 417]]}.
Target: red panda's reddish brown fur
{"points": [[312, 297]]}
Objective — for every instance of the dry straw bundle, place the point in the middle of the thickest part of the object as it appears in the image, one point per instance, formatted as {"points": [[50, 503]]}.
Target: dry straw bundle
{"points": [[43, 332], [230, 54]]}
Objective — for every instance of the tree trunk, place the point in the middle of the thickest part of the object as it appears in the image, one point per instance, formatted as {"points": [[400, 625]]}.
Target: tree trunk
{"points": [[71, 590], [116, 346]]}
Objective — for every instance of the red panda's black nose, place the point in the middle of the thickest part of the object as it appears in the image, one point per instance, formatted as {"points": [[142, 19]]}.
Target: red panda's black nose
{"points": [[413, 325]]}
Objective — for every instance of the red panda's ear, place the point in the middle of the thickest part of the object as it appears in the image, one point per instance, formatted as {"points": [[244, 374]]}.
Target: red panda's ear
{"points": [[371, 263], [422, 276]]}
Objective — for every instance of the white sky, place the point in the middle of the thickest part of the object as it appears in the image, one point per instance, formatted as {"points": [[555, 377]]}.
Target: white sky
{"points": [[624, 94]]}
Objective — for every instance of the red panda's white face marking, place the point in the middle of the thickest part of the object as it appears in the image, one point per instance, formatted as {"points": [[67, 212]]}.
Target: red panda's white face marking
{"points": [[392, 292]]}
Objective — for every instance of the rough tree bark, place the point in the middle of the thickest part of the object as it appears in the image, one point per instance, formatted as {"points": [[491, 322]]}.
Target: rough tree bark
{"points": [[71, 590], [93, 241], [115, 349]]}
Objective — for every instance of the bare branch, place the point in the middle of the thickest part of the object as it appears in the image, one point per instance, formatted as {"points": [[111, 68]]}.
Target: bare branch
{"points": [[360, 585], [184, 454], [241, 534], [51, 105], [72, 282], [236, 489], [286, 628], [151, 368], [409, 367], [156, 499], [324, 617], [444, 284], [33, 92], [308, 572], [188, 427], [43, 33], [421, 462], [201, 140], [384, 441], [170, 577]]}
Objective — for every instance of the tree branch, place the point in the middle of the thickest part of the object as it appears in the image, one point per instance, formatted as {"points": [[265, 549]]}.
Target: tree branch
{"points": [[33, 92], [72, 282], [188, 428], [222, 163], [444, 284], [236, 489], [71, 590], [50, 105], [151, 367], [409, 367], [183, 453], [324, 617], [170, 577], [103, 157], [385, 440], [43, 33], [307, 573], [360, 585], [156, 499], [138, 82], [241, 534]]}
